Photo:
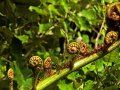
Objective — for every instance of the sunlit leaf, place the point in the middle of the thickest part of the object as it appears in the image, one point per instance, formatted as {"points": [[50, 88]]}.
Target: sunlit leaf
{"points": [[23, 38], [89, 85], [88, 67], [99, 65], [19, 76], [85, 38], [44, 27], [28, 83], [38, 10], [84, 24], [64, 5], [62, 85], [73, 76], [88, 13], [53, 10]]}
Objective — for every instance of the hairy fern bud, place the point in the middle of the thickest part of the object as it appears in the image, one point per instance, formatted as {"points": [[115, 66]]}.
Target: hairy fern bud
{"points": [[47, 63], [113, 11], [73, 48], [111, 36], [35, 61], [83, 47], [10, 73]]}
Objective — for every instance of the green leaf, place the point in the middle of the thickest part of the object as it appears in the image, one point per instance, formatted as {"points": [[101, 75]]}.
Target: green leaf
{"points": [[2, 67], [99, 64], [88, 13], [85, 38], [110, 1], [73, 76], [62, 32], [54, 2], [44, 27], [75, 1], [64, 5], [113, 56], [53, 10], [38, 10], [62, 85], [88, 67], [43, 54], [84, 24], [46, 54], [19, 76], [28, 84], [89, 85], [103, 2], [23, 38], [65, 25]]}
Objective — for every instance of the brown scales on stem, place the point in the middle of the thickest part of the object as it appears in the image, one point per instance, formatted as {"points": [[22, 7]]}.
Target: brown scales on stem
{"points": [[48, 66]]}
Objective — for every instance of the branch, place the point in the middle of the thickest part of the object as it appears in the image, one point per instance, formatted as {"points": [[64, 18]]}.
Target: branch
{"points": [[99, 34], [77, 64]]}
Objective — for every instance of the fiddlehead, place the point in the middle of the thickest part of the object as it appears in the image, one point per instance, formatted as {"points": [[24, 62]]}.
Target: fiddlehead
{"points": [[10, 75], [113, 16], [35, 61], [47, 63], [83, 48], [113, 11], [111, 36], [48, 66], [73, 48]]}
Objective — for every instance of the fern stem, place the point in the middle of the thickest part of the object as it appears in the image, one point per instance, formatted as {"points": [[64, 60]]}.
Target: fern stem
{"points": [[76, 65], [10, 84]]}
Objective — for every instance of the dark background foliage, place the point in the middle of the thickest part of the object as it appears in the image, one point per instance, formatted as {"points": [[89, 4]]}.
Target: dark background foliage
{"points": [[42, 27]]}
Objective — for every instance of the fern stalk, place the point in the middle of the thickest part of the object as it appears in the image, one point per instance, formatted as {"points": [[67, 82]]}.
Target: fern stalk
{"points": [[76, 65]]}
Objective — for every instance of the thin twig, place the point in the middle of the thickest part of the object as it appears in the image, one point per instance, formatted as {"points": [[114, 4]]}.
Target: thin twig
{"points": [[52, 27], [56, 24], [36, 80], [29, 52], [99, 34], [95, 30]]}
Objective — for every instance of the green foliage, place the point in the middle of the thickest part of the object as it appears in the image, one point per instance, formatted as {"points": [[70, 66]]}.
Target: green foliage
{"points": [[43, 27], [73, 76], [2, 67], [63, 86], [23, 38], [101, 74], [89, 85], [23, 83]]}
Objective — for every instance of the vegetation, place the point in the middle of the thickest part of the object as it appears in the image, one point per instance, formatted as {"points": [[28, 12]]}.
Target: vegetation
{"points": [[53, 44]]}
